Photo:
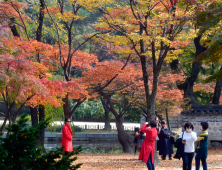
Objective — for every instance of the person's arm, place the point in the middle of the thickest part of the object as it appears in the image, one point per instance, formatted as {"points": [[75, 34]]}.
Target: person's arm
{"points": [[200, 138], [165, 133], [66, 133], [145, 129], [194, 136]]}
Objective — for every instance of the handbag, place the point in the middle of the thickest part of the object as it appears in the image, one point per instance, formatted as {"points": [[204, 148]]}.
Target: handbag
{"points": [[180, 148], [178, 142]]}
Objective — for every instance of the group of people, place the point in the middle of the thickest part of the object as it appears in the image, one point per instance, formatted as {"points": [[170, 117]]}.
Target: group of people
{"points": [[159, 131]]}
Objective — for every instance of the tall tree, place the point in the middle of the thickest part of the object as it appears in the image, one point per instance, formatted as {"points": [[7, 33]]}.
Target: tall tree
{"points": [[152, 29]]}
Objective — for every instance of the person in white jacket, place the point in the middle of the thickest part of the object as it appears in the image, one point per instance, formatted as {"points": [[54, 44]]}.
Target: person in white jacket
{"points": [[189, 137]]}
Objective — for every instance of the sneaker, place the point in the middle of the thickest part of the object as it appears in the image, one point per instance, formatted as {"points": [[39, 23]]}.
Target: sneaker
{"points": [[170, 158], [163, 158]]}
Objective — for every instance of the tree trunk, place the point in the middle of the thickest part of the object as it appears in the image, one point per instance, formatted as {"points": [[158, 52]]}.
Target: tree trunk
{"points": [[217, 92], [42, 131], [40, 21], [168, 123], [34, 115], [13, 28], [107, 111], [3, 125], [66, 106], [187, 86], [35, 121], [156, 159], [124, 138]]}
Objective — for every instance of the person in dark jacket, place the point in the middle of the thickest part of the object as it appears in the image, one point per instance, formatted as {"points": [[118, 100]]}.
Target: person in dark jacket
{"points": [[136, 139], [202, 147], [165, 146]]}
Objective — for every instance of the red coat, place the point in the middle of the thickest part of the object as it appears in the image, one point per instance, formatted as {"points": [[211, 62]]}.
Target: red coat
{"points": [[67, 138], [148, 145]]}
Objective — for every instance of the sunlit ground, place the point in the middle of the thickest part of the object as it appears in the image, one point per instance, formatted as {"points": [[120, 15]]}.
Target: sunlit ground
{"points": [[129, 162]]}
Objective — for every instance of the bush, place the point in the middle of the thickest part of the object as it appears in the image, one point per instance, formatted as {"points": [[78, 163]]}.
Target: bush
{"points": [[18, 151]]}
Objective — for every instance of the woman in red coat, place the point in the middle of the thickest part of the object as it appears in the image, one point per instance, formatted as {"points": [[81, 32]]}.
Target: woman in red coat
{"points": [[148, 147], [67, 136]]}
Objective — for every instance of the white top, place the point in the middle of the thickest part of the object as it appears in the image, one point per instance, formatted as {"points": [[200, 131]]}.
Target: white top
{"points": [[190, 139]]}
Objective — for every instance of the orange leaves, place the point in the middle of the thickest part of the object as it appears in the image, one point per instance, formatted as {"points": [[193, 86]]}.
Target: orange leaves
{"points": [[205, 87], [179, 44], [25, 69], [83, 60], [10, 8]]}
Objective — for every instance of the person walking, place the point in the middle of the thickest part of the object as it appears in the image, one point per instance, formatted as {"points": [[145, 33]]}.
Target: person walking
{"points": [[67, 137], [189, 137], [202, 147], [148, 146], [165, 146]]}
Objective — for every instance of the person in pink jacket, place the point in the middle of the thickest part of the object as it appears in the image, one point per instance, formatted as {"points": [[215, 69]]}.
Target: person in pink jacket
{"points": [[67, 136]]}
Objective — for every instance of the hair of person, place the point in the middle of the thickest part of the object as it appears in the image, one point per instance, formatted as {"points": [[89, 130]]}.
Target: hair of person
{"points": [[163, 122], [204, 125], [188, 124], [153, 123], [66, 119]]}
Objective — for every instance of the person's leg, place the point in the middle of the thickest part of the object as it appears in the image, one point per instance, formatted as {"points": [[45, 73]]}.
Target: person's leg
{"points": [[149, 164], [170, 156], [197, 163], [185, 161], [204, 163], [190, 158], [164, 157]]}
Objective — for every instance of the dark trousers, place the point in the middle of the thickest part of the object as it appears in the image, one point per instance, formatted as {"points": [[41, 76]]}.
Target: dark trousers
{"points": [[149, 164], [187, 160], [66, 153], [170, 156], [204, 163]]}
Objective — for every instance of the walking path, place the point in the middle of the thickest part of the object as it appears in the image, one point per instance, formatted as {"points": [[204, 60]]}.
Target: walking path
{"points": [[127, 161]]}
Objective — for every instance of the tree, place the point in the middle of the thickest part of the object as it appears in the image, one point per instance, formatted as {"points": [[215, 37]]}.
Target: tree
{"points": [[127, 92], [149, 29], [71, 57], [18, 150]]}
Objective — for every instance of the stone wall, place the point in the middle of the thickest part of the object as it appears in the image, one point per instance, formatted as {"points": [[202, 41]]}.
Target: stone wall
{"points": [[174, 120], [215, 125]]}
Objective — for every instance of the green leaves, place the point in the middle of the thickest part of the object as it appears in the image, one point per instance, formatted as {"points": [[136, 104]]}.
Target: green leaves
{"points": [[18, 151]]}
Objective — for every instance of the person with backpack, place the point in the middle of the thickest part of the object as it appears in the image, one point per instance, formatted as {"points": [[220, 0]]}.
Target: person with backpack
{"points": [[165, 145], [202, 147]]}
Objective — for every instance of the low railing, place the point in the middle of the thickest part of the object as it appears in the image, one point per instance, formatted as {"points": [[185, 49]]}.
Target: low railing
{"points": [[129, 128]]}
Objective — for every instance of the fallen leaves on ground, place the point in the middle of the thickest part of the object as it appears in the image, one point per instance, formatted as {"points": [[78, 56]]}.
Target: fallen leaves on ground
{"points": [[130, 162]]}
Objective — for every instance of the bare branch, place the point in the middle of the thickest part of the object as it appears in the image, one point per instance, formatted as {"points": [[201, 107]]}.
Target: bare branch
{"points": [[57, 30]]}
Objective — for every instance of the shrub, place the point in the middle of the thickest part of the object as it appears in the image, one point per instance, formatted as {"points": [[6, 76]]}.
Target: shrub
{"points": [[18, 151]]}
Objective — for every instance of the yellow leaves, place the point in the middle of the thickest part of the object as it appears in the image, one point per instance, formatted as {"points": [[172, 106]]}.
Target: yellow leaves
{"points": [[68, 16], [92, 5], [118, 40]]}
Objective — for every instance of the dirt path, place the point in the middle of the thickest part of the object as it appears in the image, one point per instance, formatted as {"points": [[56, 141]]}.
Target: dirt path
{"points": [[129, 162]]}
